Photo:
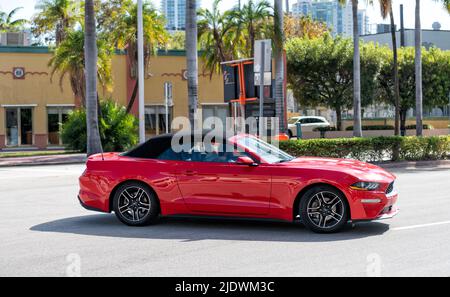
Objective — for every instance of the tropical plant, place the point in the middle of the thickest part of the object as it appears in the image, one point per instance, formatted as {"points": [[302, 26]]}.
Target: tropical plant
{"points": [[279, 63], [387, 11], [192, 58], [94, 144], [176, 41], [118, 18], [418, 66], [118, 129], [217, 41], [357, 123], [8, 23], [56, 18], [253, 21], [69, 60], [303, 26]]}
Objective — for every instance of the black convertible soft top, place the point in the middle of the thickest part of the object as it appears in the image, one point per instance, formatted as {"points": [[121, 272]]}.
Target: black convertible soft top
{"points": [[156, 146]]}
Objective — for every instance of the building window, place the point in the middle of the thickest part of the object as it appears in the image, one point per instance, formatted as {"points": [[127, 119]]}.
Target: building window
{"points": [[56, 117], [217, 112], [19, 126], [155, 119]]}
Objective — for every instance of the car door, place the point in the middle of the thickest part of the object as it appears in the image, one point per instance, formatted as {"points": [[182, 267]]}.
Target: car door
{"points": [[214, 184]]}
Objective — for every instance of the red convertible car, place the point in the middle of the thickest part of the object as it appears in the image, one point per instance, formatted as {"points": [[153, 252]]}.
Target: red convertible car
{"points": [[253, 180]]}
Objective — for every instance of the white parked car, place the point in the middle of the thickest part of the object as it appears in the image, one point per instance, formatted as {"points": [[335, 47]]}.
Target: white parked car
{"points": [[309, 124]]}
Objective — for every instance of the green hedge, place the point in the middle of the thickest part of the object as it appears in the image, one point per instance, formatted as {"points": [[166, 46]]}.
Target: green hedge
{"points": [[377, 149]]}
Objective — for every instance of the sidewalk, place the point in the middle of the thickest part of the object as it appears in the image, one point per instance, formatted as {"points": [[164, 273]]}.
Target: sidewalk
{"points": [[43, 160]]}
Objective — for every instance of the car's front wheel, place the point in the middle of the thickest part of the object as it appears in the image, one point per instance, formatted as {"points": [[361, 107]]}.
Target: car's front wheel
{"points": [[135, 204], [324, 209]]}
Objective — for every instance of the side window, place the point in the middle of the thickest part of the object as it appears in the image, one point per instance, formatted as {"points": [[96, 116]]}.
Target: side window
{"points": [[170, 155], [216, 154]]}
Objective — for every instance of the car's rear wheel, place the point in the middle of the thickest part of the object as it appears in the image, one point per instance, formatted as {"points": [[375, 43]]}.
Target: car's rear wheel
{"points": [[290, 134], [136, 205], [324, 209]]}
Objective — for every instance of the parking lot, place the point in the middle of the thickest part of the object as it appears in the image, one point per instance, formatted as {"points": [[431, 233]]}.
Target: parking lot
{"points": [[44, 232]]}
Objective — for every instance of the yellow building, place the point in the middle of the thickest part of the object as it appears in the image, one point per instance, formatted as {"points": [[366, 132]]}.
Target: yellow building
{"points": [[32, 105]]}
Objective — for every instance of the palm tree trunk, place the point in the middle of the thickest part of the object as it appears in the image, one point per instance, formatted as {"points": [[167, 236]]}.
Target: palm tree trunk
{"points": [[192, 58], [419, 94], [396, 75], [287, 7], [357, 130], [279, 65], [94, 145]]}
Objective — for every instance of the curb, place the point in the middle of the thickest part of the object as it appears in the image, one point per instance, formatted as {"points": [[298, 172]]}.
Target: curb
{"points": [[42, 161]]}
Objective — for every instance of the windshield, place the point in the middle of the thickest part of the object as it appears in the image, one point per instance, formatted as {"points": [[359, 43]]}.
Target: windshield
{"points": [[293, 121], [266, 151]]}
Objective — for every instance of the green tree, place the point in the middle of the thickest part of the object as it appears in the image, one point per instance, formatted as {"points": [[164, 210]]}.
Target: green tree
{"points": [[56, 18], [320, 72], [118, 129], [253, 21], [216, 37], [68, 60], [8, 23], [176, 41], [436, 70], [118, 19], [303, 26]]}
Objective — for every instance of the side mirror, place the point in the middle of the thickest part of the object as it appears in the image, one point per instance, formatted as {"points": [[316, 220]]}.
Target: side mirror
{"points": [[246, 161]]}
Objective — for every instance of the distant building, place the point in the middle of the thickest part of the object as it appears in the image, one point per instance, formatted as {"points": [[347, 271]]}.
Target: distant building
{"points": [[430, 38], [175, 13], [384, 28], [337, 17]]}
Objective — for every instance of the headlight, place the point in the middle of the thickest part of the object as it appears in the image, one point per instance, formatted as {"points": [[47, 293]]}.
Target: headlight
{"points": [[365, 186]]}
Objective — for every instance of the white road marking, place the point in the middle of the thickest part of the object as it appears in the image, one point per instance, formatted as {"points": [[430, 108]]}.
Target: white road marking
{"points": [[421, 226]]}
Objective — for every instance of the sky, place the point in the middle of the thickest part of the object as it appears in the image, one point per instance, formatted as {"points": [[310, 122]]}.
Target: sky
{"points": [[431, 11]]}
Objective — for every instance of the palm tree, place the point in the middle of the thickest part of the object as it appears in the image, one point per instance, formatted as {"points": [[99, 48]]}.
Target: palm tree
{"points": [[279, 63], [7, 22], [216, 37], [288, 7], [253, 22], [56, 17], [386, 10], [119, 18], [357, 125], [69, 60], [94, 144], [418, 59], [192, 58]]}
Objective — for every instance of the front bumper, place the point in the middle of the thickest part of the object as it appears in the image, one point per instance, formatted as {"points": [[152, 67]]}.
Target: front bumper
{"points": [[371, 206]]}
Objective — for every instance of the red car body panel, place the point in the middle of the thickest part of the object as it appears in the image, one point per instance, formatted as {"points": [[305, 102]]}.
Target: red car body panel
{"points": [[222, 189]]}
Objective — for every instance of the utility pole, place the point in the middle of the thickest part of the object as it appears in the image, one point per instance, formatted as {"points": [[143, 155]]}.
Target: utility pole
{"points": [[141, 72]]}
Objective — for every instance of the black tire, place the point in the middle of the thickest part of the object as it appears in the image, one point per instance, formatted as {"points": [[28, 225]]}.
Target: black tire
{"points": [[290, 134], [136, 205], [324, 209]]}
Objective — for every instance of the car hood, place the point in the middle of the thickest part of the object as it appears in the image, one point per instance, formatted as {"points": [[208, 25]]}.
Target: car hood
{"points": [[358, 169]]}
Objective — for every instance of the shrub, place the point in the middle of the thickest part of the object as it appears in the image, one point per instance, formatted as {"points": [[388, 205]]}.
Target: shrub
{"points": [[118, 130], [377, 149]]}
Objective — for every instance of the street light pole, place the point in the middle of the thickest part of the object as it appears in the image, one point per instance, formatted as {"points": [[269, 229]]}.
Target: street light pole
{"points": [[141, 72]]}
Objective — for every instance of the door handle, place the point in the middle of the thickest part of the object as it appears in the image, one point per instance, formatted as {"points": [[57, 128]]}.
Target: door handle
{"points": [[190, 172]]}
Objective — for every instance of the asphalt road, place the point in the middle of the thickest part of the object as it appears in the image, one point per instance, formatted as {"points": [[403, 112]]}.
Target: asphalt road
{"points": [[44, 232]]}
